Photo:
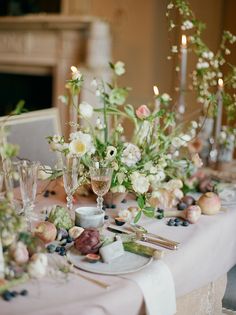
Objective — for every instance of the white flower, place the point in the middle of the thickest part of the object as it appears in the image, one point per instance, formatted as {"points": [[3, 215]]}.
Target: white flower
{"points": [[139, 183], [194, 124], [131, 155], [118, 189], [186, 138], [37, 268], [227, 51], [173, 184], [59, 146], [76, 74], [165, 97], [78, 147], [99, 124], [177, 142], [187, 25], [111, 152], [86, 110], [44, 172], [81, 143], [57, 138], [119, 68], [202, 65]]}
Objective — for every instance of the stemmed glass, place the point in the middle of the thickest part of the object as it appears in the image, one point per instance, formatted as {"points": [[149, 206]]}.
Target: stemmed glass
{"points": [[101, 182], [28, 174], [70, 169]]}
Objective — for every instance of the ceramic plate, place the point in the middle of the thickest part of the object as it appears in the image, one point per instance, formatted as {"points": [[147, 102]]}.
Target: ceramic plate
{"points": [[126, 263]]}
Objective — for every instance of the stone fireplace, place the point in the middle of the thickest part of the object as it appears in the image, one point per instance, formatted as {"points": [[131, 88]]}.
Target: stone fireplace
{"points": [[43, 45]]}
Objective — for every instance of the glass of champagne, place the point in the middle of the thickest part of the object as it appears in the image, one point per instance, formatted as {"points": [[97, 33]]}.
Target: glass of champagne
{"points": [[101, 182], [70, 170], [28, 175]]}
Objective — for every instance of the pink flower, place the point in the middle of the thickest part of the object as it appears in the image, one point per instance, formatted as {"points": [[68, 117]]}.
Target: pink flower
{"points": [[142, 112]]}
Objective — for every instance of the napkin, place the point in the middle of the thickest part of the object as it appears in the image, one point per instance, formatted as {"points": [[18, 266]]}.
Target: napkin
{"points": [[157, 285]]}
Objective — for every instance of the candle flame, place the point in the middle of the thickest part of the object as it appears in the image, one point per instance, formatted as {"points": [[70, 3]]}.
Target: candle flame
{"points": [[184, 41], [155, 90], [220, 83]]}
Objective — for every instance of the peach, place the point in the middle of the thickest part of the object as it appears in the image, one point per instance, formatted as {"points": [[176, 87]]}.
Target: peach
{"points": [[46, 231]]}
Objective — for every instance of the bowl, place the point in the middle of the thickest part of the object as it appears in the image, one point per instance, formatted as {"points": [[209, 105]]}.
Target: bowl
{"points": [[89, 217]]}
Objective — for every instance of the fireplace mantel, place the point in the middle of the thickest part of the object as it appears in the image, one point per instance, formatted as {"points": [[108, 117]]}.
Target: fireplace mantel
{"points": [[45, 21], [44, 44]]}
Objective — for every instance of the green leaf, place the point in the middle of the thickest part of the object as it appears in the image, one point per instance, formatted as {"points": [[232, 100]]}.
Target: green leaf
{"points": [[141, 201], [149, 212], [138, 216]]}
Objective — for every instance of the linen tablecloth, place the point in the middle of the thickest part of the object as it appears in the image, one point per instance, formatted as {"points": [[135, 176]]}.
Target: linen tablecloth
{"points": [[207, 251]]}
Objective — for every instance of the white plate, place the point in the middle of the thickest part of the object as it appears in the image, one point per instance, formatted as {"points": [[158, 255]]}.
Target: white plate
{"points": [[126, 263]]}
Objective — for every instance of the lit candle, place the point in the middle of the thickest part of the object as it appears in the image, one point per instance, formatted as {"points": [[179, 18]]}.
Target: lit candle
{"points": [[219, 109], [183, 74], [157, 100]]}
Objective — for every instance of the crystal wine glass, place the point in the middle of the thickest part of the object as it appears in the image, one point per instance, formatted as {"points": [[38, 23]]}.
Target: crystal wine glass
{"points": [[101, 182], [28, 174], [70, 169]]}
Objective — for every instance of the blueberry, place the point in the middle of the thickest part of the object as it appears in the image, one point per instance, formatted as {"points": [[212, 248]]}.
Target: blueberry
{"points": [[160, 216], [171, 222], [178, 223], [24, 292], [14, 293], [160, 210], [177, 220], [113, 206], [62, 253], [58, 248], [69, 239], [106, 217], [46, 194], [124, 201], [53, 192], [181, 206], [7, 296], [185, 223], [104, 208], [51, 248]]}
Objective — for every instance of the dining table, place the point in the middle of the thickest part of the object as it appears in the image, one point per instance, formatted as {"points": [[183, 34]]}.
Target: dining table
{"points": [[198, 269]]}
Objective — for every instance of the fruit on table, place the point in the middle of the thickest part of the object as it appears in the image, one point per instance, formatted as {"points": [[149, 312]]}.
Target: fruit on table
{"points": [[181, 205], [191, 214], [46, 231], [209, 203], [60, 217], [93, 258], [88, 242], [75, 231], [119, 221]]}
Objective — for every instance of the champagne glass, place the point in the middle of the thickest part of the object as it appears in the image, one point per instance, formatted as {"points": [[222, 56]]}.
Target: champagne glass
{"points": [[101, 182], [28, 174], [70, 169]]}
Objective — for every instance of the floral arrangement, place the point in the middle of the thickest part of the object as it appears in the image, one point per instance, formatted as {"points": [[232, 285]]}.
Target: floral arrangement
{"points": [[146, 164], [209, 65]]}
